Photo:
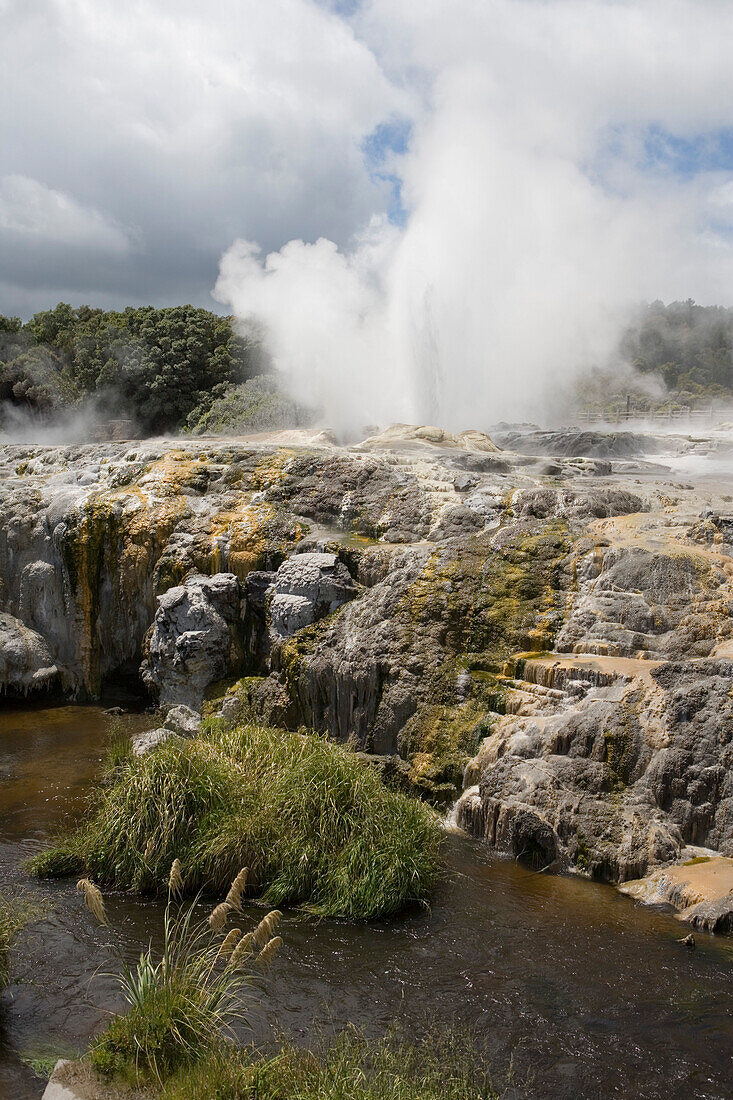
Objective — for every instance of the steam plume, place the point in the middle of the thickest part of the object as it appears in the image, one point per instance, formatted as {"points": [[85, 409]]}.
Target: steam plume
{"points": [[542, 199]]}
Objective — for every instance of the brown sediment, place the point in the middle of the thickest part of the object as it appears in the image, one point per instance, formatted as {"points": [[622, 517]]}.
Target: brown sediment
{"points": [[700, 888]]}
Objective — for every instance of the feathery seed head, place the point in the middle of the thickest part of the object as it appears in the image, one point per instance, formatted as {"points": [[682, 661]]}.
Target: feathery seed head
{"points": [[218, 917], [266, 927], [242, 951], [93, 898], [234, 897], [230, 942], [268, 952], [175, 878]]}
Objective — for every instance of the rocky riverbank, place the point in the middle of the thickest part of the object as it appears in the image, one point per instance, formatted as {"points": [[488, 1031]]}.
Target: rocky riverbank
{"points": [[550, 631]]}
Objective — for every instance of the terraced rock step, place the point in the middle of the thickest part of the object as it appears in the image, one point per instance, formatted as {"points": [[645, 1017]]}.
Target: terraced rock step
{"points": [[557, 638]]}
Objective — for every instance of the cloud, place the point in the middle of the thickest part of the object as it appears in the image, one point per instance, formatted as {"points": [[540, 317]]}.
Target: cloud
{"points": [[35, 212], [455, 202], [194, 124], [536, 215]]}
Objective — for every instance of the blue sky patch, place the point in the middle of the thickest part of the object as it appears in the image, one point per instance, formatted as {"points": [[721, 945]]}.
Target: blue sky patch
{"points": [[686, 156], [388, 139]]}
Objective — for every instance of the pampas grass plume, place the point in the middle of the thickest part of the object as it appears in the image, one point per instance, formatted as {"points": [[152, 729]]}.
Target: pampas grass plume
{"points": [[93, 898], [230, 942], [175, 878], [242, 951], [234, 897], [265, 928], [267, 953], [218, 917]]}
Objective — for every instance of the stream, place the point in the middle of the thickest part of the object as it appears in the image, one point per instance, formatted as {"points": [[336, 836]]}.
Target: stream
{"points": [[576, 990]]}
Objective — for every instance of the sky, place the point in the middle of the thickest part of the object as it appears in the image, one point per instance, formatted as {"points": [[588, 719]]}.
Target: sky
{"points": [[378, 180], [139, 140]]}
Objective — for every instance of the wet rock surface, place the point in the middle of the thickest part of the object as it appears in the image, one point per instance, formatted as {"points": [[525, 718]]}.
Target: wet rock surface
{"points": [[700, 888], [554, 636]]}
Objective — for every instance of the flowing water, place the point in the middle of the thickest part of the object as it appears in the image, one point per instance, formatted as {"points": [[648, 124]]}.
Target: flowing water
{"points": [[576, 990]]}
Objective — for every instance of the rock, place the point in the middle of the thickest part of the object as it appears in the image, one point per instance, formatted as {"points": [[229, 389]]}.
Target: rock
{"points": [[607, 755], [428, 434], [355, 492], [78, 1081], [616, 780], [56, 1089], [360, 677], [573, 442], [458, 521], [583, 505], [195, 639], [183, 720], [463, 482], [144, 743], [26, 664], [664, 604], [700, 888], [307, 587], [84, 564]]}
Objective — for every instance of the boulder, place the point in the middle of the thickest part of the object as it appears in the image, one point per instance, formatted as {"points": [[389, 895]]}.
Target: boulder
{"points": [[143, 743], [78, 1081], [307, 587], [195, 639], [183, 720], [26, 663]]}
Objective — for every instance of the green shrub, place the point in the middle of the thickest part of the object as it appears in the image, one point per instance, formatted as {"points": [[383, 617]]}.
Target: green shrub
{"points": [[315, 825], [255, 405], [182, 1003]]}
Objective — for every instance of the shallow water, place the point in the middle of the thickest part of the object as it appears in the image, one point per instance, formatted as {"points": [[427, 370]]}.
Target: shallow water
{"points": [[580, 990]]}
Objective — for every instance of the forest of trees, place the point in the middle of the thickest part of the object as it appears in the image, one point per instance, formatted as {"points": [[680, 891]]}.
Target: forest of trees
{"points": [[153, 366], [167, 369], [689, 346]]}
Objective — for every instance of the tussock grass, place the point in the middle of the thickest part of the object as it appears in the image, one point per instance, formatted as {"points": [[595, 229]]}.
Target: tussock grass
{"points": [[15, 913], [314, 825], [442, 1066], [182, 1004]]}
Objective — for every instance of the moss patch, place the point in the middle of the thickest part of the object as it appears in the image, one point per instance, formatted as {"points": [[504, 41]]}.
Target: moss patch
{"points": [[497, 595]]}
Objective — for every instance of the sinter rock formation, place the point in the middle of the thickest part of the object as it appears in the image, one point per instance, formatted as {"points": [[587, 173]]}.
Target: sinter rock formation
{"points": [[553, 639]]}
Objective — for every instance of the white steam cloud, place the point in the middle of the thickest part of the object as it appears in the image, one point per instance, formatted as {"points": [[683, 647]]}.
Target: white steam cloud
{"points": [[560, 168]]}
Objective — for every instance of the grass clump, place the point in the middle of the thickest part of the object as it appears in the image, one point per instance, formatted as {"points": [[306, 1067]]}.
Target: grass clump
{"points": [[444, 1065], [15, 913], [175, 1041], [315, 826], [182, 1004]]}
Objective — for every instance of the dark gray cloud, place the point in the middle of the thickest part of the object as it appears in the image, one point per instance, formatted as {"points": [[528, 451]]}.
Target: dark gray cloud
{"points": [[138, 140]]}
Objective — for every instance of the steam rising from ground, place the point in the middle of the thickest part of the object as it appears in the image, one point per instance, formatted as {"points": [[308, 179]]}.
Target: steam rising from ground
{"points": [[23, 426], [536, 216]]}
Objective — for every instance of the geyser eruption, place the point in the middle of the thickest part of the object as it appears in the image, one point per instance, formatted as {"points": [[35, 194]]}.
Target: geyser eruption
{"points": [[535, 218]]}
